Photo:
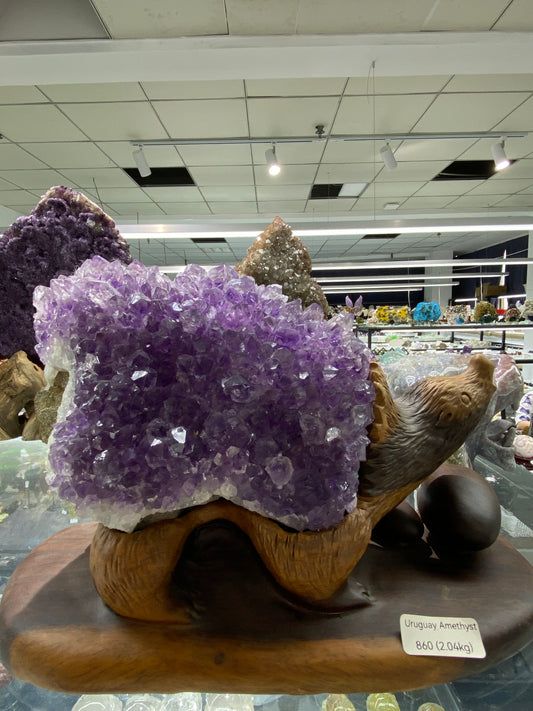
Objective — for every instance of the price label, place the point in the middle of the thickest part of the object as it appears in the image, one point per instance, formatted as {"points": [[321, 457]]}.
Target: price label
{"points": [[441, 636]]}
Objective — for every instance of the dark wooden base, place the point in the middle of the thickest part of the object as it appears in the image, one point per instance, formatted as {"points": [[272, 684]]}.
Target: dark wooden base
{"points": [[245, 635]]}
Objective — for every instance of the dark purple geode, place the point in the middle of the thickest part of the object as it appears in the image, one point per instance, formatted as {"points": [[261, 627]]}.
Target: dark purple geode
{"points": [[204, 387], [61, 232]]}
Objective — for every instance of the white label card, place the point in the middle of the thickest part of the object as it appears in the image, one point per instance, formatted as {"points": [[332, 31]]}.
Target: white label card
{"points": [[441, 636]]}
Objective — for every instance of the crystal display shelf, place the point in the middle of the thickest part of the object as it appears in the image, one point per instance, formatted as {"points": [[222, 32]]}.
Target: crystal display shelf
{"points": [[30, 516]]}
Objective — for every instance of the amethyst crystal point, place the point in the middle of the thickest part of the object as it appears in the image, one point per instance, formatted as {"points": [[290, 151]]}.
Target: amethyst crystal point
{"points": [[204, 387], [63, 230], [278, 257]]}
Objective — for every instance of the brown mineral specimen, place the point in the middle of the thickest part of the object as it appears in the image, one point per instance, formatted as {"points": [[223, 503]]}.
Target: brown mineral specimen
{"points": [[46, 404], [278, 257]]}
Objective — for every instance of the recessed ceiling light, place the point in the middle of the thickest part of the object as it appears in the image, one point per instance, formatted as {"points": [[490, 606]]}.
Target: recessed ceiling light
{"points": [[352, 189], [391, 205]]}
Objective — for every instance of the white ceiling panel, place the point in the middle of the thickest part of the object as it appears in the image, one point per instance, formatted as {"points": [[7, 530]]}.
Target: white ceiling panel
{"points": [[458, 16], [395, 190], [37, 123], [223, 175], [346, 173], [8, 197], [33, 179], [365, 86], [252, 17], [216, 155], [129, 19], [326, 207], [364, 16], [521, 116], [234, 208], [67, 155], [14, 157], [295, 87], [287, 153], [447, 187], [353, 151], [426, 203], [446, 149], [84, 93], [270, 193], [21, 95], [203, 119], [380, 114], [117, 195], [522, 169], [290, 175], [184, 193], [290, 117], [517, 201], [182, 209], [134, 208], [501, 187], [115, 121], [517, 17], [220, 193], [53, 20], [121, 153], [473, 201], [424, 170], [103, 177], [223, 89], [476, 83], [468, 112]]}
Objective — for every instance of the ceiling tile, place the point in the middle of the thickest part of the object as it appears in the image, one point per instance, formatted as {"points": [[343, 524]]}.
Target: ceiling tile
{"points": [[6, 185], [290, 117], [295, 87], [277, 17], [13, 157], [396, 85], [395, 190], [473, 201], [275, 207], [449, 149], [501, 187], [353, 151], [290, 175], [473, 83], [233, 207], [457, 16], [447, 187], [116, 121], [517, 17], [68, 155], [117, 195], [21, 95], [425, 203], [121, 153], [269, 193], [522, 169], [37, 123], [223, 175], [346, 173], [222, 89], [33, 179], [520, 119], [468, 112], [212, 118], [391, 114], [321, 207], [103, 177], [364, 16], [522, 200], [220, 193], [132, 208], [84, 93], [136, 19], [183, 193], [16, 197], [216, 155], [424, 170], [185, 208], [53, 20], [287, 153]]}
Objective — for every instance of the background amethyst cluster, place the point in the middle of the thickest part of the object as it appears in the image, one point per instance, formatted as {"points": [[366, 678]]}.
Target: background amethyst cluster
{"points": [[63, 230], [203, 387]]}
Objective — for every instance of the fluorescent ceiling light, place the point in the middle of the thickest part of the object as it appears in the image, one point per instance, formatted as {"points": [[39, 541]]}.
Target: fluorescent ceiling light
{"points": [[141, 163], [392, 264], [352, 189], [498, 153], [405, 277], [391, 205], [512, 296]]}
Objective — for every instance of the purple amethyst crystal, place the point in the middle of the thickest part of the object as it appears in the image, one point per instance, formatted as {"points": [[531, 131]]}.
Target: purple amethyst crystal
{"points": [[63, 230], [204, 387]]}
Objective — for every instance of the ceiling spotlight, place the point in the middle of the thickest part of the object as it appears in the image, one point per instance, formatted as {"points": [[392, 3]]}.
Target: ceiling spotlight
{"points": [[498, 153], [141, 163], [387, 156], [272, 161]]}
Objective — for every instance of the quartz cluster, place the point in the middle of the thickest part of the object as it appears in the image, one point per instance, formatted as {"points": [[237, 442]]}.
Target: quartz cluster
{"points": [[63, 230], [278, 257], [209, 386]]}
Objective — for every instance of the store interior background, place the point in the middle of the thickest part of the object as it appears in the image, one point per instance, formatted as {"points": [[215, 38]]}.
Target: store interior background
{"points": [[83, 80]]}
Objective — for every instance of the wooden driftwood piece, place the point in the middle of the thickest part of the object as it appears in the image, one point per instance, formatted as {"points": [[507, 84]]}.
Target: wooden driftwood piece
{"points": [[410, 438], [20, 381]]}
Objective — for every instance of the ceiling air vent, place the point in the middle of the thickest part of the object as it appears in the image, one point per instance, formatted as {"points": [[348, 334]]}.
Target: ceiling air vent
{"points": [[381, 236], [161, 177]]}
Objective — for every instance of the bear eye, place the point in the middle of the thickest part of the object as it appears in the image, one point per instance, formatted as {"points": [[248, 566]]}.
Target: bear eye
{"points": [[466, 399]]}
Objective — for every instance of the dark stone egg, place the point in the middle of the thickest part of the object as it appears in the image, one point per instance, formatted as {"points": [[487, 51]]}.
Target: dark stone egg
{"points": [[400, 527], [460, 509]]}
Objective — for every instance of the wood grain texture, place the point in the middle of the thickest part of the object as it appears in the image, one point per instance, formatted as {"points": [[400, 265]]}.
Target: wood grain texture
{"points": [[20, 380], [56, 632]]}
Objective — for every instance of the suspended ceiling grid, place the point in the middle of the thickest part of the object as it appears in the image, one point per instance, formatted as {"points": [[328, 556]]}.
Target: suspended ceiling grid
{"points": [[80, 81]]}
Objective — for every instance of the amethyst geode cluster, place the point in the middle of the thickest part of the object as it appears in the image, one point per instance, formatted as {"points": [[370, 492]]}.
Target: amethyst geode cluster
{"points": [[205, 387], [62, 231]]}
